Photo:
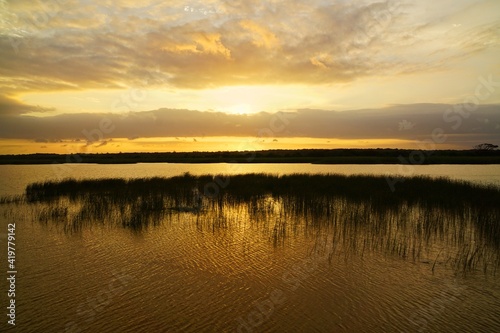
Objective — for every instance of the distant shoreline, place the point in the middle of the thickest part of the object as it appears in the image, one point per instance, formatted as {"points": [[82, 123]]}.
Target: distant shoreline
{"points": [[309, 156]]}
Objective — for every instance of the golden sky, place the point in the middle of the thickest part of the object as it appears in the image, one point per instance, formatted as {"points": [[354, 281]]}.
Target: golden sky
{"points": [[85, 73]]}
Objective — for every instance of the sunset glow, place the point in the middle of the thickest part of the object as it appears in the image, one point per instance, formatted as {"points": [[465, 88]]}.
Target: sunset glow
{"points": [[378, 74], [209, 144]]}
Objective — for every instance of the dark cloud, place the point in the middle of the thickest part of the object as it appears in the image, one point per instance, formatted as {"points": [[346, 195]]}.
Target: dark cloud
{"points": [[411, 122], [11, 106]]}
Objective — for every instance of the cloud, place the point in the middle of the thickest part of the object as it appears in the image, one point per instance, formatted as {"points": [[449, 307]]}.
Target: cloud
{"points": [[262, 37], [405, 125], [106, 45], [41, 140], [103, 143], [418, 120], [11, 106]]}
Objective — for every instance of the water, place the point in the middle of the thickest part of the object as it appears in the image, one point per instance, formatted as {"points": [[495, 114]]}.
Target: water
{"points": [[16, 177], [188, 275]]}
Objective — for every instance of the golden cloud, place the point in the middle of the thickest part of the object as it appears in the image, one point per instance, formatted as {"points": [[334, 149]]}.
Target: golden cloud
{"points": [[211, 43], [99, 45], [262, 37]]}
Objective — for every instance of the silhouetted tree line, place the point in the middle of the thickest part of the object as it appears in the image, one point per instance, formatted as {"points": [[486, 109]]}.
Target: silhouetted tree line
{"points": [[483, 154]]}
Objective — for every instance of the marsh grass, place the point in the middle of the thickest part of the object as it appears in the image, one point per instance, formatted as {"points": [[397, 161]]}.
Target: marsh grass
{"points": [[435, 221]]}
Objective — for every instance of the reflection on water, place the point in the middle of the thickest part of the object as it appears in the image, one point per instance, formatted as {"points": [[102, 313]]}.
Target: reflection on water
{"points": [[353, 212], [295, 253]]}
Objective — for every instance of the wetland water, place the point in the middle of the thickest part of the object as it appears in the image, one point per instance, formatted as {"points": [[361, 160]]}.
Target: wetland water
{"points": [[273, 262]]}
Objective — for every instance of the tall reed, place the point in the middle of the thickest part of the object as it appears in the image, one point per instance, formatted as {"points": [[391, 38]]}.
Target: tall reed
{"points": [[430, 220]]}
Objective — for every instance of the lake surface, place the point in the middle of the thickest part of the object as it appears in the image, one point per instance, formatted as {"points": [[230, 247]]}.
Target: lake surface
{"points": [[186, 274], [16, 177]]}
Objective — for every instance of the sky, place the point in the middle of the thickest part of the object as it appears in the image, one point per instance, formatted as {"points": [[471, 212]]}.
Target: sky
{"points": [[111, 76]]}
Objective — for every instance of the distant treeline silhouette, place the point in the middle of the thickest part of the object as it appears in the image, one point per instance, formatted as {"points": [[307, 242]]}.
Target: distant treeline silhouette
{"points": [[318, 156]]}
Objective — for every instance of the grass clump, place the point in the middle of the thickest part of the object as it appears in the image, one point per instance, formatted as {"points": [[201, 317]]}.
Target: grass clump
{"points": [[423, 218]]}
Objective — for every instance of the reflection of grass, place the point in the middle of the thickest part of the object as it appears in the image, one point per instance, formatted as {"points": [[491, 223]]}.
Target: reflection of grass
{"points": [[433, 220]]}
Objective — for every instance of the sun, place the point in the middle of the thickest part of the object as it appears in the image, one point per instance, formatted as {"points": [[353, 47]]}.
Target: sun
{"points": [[238, 99], [240, 109]]}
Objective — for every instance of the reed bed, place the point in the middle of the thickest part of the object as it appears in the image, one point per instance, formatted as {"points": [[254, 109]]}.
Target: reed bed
{"points": [[436, 221]]}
